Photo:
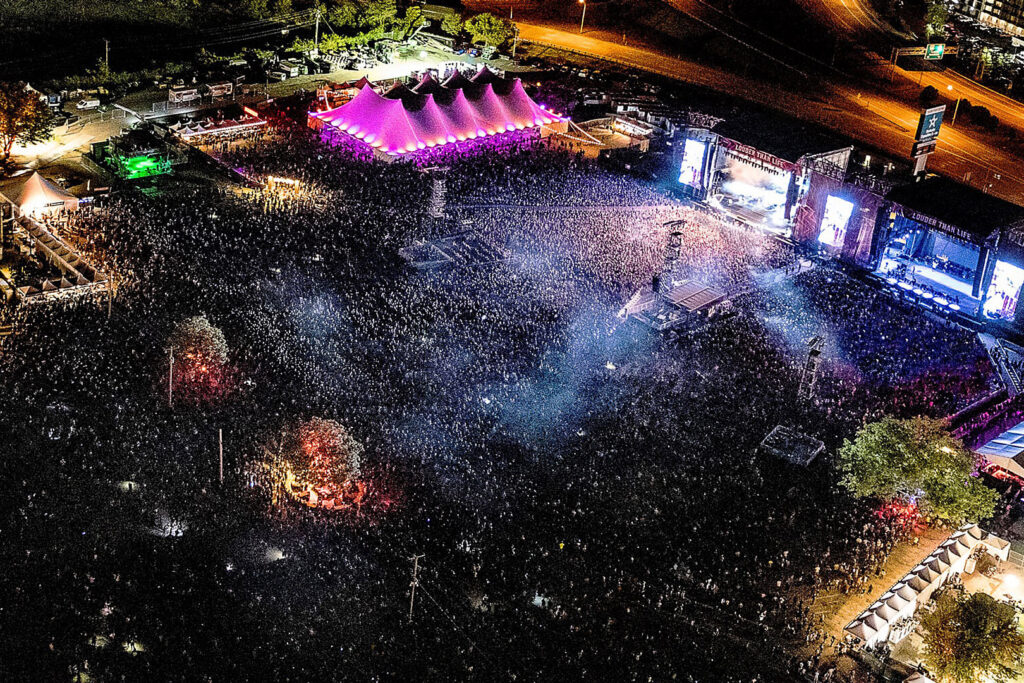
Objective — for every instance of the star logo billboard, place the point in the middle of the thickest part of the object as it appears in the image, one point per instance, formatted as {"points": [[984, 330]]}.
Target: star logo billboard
{"points": [[929, 124]]}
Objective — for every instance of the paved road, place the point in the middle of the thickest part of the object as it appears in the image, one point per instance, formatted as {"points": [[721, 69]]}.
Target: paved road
{"points": [[856, 20], [872, 118], [850, 18]]}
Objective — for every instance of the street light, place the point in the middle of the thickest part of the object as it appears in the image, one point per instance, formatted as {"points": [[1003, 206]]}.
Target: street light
{"points": [[955, 108], [584, 17]]}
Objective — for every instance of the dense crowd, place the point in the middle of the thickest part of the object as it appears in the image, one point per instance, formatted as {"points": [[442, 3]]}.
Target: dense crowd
{"points": [[587, 494]]}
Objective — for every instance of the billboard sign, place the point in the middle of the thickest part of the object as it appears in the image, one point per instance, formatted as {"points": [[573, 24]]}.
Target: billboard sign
{"points": [[923, 51], [934, 51], [921, 149], [930, 123]]}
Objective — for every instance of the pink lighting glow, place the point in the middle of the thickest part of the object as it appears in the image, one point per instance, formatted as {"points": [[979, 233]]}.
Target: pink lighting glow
{"points": [[408, 120]]}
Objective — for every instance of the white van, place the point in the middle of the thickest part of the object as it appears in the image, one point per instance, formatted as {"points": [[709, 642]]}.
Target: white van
{"points": [[88, 104]]}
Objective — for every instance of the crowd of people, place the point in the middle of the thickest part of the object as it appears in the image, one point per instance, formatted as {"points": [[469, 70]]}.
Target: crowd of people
{"points": [[587, 495]]}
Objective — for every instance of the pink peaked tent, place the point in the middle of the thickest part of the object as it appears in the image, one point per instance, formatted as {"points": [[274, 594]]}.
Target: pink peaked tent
{"points": [[430, 114]]}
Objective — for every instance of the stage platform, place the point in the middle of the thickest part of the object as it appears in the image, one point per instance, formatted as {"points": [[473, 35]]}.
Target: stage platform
{"points": [[792, 446], [929, 286], [761, 220], [685, 302], [463, 249]]}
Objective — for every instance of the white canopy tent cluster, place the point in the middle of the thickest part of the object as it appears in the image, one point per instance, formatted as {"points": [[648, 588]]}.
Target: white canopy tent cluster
{"points": [[898, 605]]}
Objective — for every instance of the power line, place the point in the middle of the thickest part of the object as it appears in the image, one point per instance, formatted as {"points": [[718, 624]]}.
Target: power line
{"points": [[465, 635]]}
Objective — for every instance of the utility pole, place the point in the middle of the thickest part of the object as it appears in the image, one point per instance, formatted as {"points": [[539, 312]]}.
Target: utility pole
{"points": [[170, 378], [220, 443], [415, 582], [515, 42], [584, 17], [106, 50], [110, 296]]}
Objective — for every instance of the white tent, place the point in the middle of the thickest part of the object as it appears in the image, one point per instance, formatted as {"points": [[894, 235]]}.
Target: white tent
{"points": [[31, 193], [918, 677], [916, 588]]}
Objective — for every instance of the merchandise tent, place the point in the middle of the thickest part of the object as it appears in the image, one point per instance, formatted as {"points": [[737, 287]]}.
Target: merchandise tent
{"points": [[889, 616]]}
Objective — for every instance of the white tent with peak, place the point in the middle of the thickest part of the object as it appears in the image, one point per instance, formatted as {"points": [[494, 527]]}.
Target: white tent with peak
{"points": [[889, 617], [31, 194]]}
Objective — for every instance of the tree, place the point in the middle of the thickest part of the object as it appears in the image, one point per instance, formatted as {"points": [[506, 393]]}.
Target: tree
{"points": [[206, 58], [916, 460], [324, 455], [452, 24], [200, 355], [971, 638], [412, 20], [198, 339], [488, 29], [282, 8], [935, 16], [379, 13], [345, 15], [929, 95], [331, 42], [303, 45], [255, 9], [24, 117]]}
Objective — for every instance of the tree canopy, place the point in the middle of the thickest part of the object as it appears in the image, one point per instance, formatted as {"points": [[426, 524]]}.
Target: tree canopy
{"points": [[321, 452], [379, 12], [935, 16], [488, 29], [972, 637], [452, 24], [916, 460], [363, 13], [196, 338], [24, 117]]}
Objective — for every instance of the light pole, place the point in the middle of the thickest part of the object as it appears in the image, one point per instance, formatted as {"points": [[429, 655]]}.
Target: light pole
{"points": [[170, 377], [956, 107], [584, 17]]}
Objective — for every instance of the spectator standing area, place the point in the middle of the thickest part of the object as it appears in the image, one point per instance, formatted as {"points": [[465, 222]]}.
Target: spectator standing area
{"points": [[517, 433]]}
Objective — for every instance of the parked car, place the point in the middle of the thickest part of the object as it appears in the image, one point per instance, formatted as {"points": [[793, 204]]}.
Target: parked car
{"points": [[88, 104]]}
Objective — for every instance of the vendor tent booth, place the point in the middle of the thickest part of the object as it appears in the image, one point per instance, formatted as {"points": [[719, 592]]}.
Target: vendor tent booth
{"points": [[32, 194], [890, 617]]}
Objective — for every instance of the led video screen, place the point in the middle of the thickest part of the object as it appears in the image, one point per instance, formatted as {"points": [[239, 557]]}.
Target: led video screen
{"points": [[1001, 302], [692, 168], [835, 221]]}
